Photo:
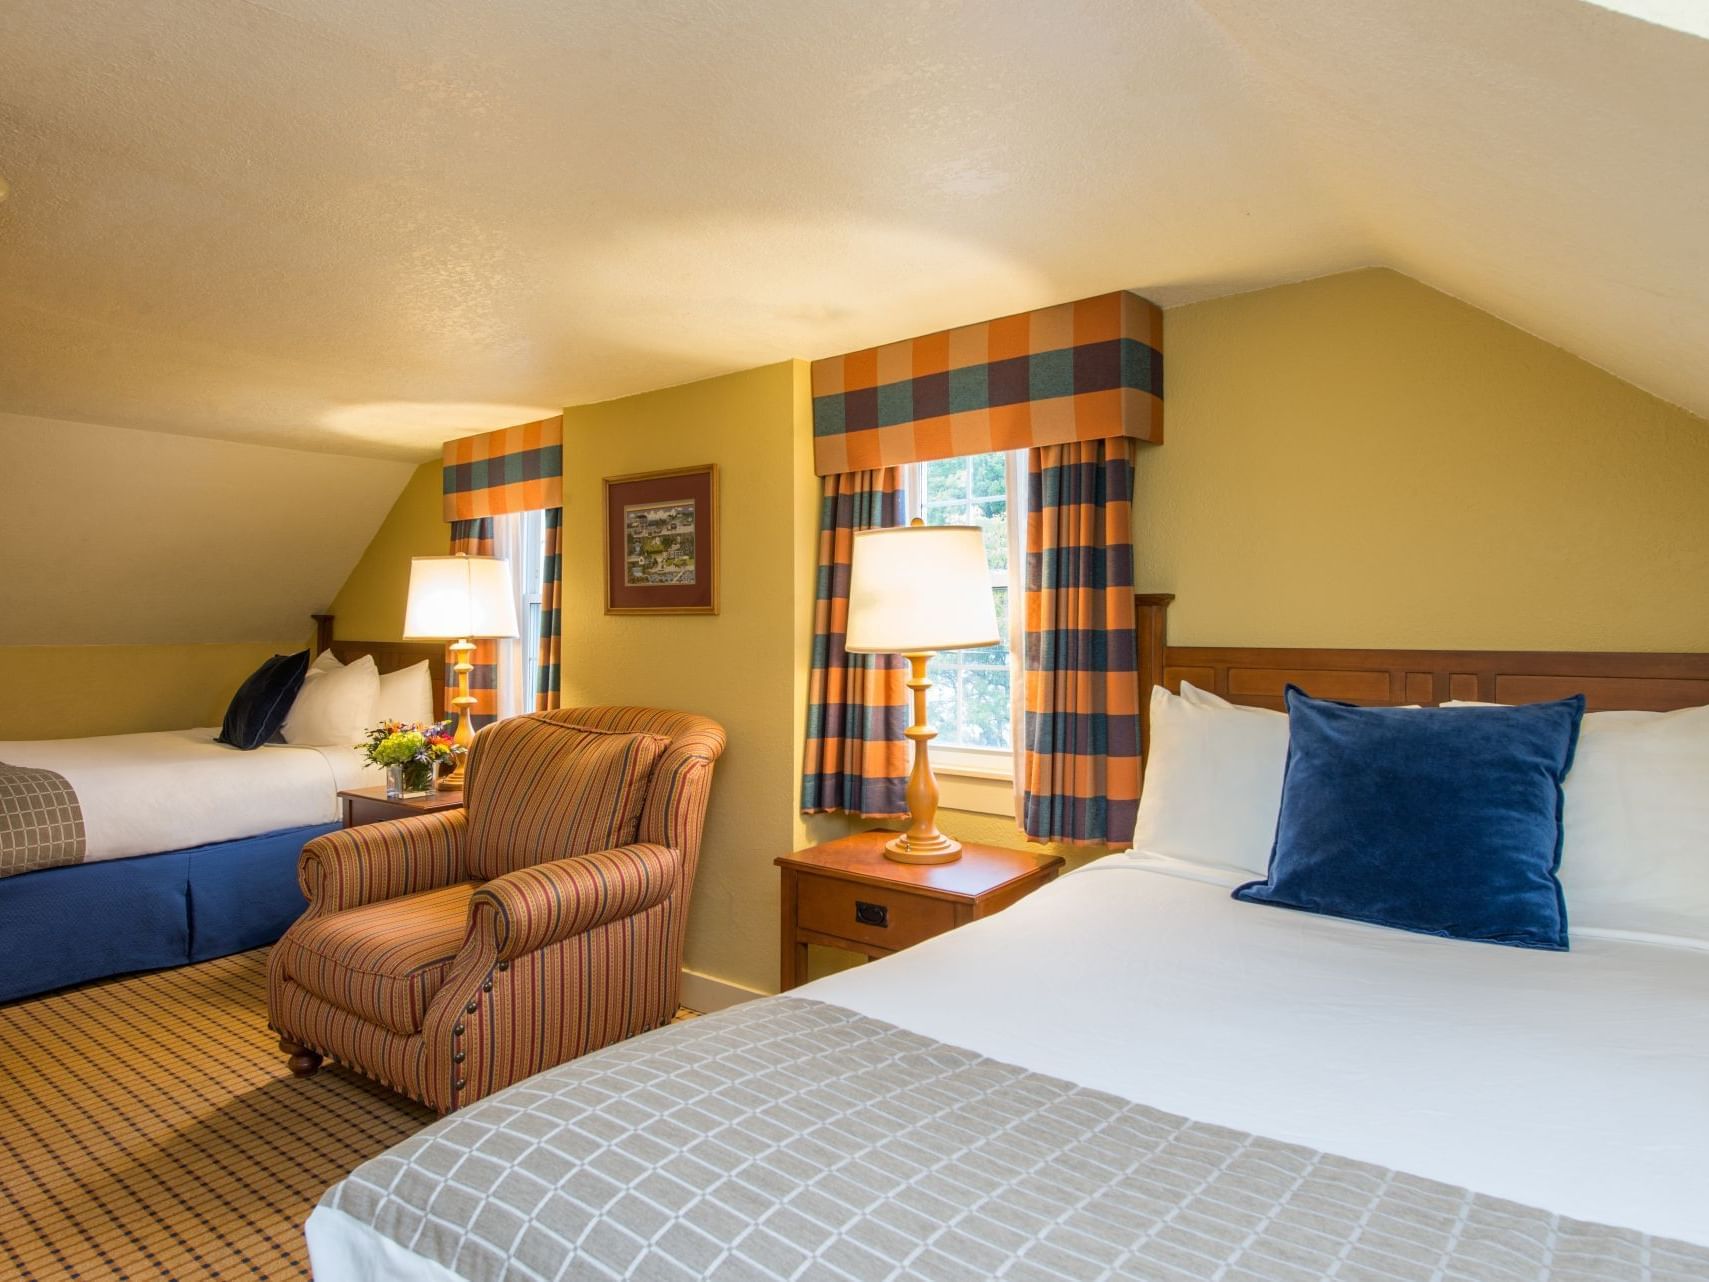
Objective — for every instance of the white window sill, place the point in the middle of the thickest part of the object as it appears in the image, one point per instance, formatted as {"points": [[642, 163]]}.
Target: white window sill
{"points": [[980, 782]]}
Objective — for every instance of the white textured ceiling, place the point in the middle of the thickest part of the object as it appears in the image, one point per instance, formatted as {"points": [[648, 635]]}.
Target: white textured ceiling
{"points": [[367, 226]]}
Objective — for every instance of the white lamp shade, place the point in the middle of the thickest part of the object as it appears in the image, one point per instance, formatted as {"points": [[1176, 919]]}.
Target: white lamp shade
{"points": [[920, 587], [455, 597]]}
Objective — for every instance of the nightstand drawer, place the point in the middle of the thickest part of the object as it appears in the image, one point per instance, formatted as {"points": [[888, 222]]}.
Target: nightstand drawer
{"points": [[845, 894], [875, 915], [361, 811]]}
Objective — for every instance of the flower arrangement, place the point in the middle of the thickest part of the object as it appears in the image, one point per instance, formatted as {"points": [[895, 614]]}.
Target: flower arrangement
{"points": [[414, 749]]}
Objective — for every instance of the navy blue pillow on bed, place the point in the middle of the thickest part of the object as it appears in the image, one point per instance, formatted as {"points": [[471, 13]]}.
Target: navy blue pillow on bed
{"points": [[261, 703], [1444, 821]]}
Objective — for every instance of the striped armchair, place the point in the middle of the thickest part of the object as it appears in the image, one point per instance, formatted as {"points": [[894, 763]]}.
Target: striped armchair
{"points": [[450, 954]]}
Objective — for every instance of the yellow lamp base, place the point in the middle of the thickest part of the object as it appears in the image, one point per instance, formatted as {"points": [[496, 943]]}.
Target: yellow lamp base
{"points": [[937, 849], [922, 843], [464, 737]]}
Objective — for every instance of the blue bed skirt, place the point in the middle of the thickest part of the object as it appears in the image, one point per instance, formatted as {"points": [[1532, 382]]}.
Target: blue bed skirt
{"points": [[67, 925]]}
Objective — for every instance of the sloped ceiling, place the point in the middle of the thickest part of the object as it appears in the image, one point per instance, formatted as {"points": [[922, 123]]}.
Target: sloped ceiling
{"points": [[365, 227], [116, 536]]}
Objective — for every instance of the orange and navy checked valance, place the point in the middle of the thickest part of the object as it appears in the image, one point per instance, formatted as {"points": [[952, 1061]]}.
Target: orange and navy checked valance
{"points": [[515, 469], [1074, 372]]}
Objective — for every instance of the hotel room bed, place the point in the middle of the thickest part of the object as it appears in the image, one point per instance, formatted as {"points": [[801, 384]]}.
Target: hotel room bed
{"points": [[173, 789], [1009, 1099], [190, 851], [1127, 1074], [188, 848]]}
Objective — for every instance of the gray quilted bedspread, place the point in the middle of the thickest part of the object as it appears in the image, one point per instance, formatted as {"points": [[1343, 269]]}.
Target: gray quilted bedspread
{"points": [[791, 1139], [41, 822]]}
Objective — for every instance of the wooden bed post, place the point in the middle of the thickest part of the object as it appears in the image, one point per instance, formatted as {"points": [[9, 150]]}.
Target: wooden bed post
{"points": [[323, 633], [1151, 628]]}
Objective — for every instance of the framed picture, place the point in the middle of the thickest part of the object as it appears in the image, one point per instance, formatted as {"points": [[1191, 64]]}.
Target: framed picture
{"points": [[661, 542]]}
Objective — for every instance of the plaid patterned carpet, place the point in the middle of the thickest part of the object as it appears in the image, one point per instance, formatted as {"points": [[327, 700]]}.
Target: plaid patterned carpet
{"points": [[150, 1129]]}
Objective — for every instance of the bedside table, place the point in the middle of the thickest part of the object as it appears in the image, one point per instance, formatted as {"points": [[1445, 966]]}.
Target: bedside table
{"points": [[372, 806], [846, 894]]}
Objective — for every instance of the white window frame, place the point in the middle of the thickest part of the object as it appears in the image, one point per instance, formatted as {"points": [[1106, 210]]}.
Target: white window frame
{"points": [[531, 592], [520, 538], [982, 779]]}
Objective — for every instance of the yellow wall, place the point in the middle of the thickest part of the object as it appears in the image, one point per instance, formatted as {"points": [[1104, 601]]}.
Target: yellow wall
{"points": [[1356, 460], [121, 689], [67, 691], [169, 568], [149, 538], [370, 605], [743, 666], [1362, 461]]}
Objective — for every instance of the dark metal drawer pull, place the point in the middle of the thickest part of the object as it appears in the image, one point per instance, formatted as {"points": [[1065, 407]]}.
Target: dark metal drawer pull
{"points": [[872, 914]]}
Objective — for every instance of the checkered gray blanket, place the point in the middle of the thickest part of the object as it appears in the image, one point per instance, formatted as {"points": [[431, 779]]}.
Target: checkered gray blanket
{"points": [[791, 1139], [41, 824]]}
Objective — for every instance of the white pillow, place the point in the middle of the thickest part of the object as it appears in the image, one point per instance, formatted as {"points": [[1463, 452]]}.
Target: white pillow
{"points": [[1635, 825], [325, 661], [1213, 781], [336, 707], [405, 695], [1205, 699]]}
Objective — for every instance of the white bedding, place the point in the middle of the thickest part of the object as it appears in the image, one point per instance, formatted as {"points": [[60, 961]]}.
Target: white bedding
{"points": [[143, 793], [1574, 1081]]}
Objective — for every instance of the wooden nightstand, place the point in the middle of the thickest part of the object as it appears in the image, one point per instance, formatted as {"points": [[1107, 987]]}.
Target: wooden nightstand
{"points": [[846, 894], [372, 806]]}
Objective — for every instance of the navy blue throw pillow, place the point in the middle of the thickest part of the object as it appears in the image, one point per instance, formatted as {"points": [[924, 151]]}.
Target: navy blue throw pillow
{"points": [[1443, 821], [261, 703]]}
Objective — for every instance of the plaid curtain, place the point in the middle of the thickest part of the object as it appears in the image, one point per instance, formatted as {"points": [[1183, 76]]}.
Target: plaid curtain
{"points": [[1080, 766], [551, 620], [1074, 372], [475, 538], [515, 469], [857, 756]]}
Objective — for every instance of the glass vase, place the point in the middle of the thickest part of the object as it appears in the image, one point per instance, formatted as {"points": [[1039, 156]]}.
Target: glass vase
{"points": [[417, 776], [394, 782]]}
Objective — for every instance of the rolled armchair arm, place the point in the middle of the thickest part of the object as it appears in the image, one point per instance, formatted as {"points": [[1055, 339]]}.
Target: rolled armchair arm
{"points": [[365, 865], [530, 908]]}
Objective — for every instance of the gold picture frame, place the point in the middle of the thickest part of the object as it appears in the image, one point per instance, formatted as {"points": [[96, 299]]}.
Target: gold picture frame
{"points": [[661, 541]]}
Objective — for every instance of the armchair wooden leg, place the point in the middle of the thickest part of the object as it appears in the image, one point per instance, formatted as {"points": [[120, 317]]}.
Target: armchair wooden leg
{"points": [[303, 1061]]}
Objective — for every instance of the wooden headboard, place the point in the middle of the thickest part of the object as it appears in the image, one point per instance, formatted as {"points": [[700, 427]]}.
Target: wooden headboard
{"points": [[1257, 677], [389, 656]]}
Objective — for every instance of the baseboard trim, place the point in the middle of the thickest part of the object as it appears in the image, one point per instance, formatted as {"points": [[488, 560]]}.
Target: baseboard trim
{"points": [[706, 994]]}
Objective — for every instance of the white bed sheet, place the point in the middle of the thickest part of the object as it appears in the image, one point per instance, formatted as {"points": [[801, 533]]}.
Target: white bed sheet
{"points": [[1574, 1081], [166, 790]]}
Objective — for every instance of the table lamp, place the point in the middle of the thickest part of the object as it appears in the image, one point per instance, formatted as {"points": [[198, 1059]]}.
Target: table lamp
{"points": [[460, 597], [915, 590]]}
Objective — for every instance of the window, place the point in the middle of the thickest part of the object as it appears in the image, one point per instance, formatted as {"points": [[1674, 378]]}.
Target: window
{"points": [[520, 538], [531, 573], [972, 699]]}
